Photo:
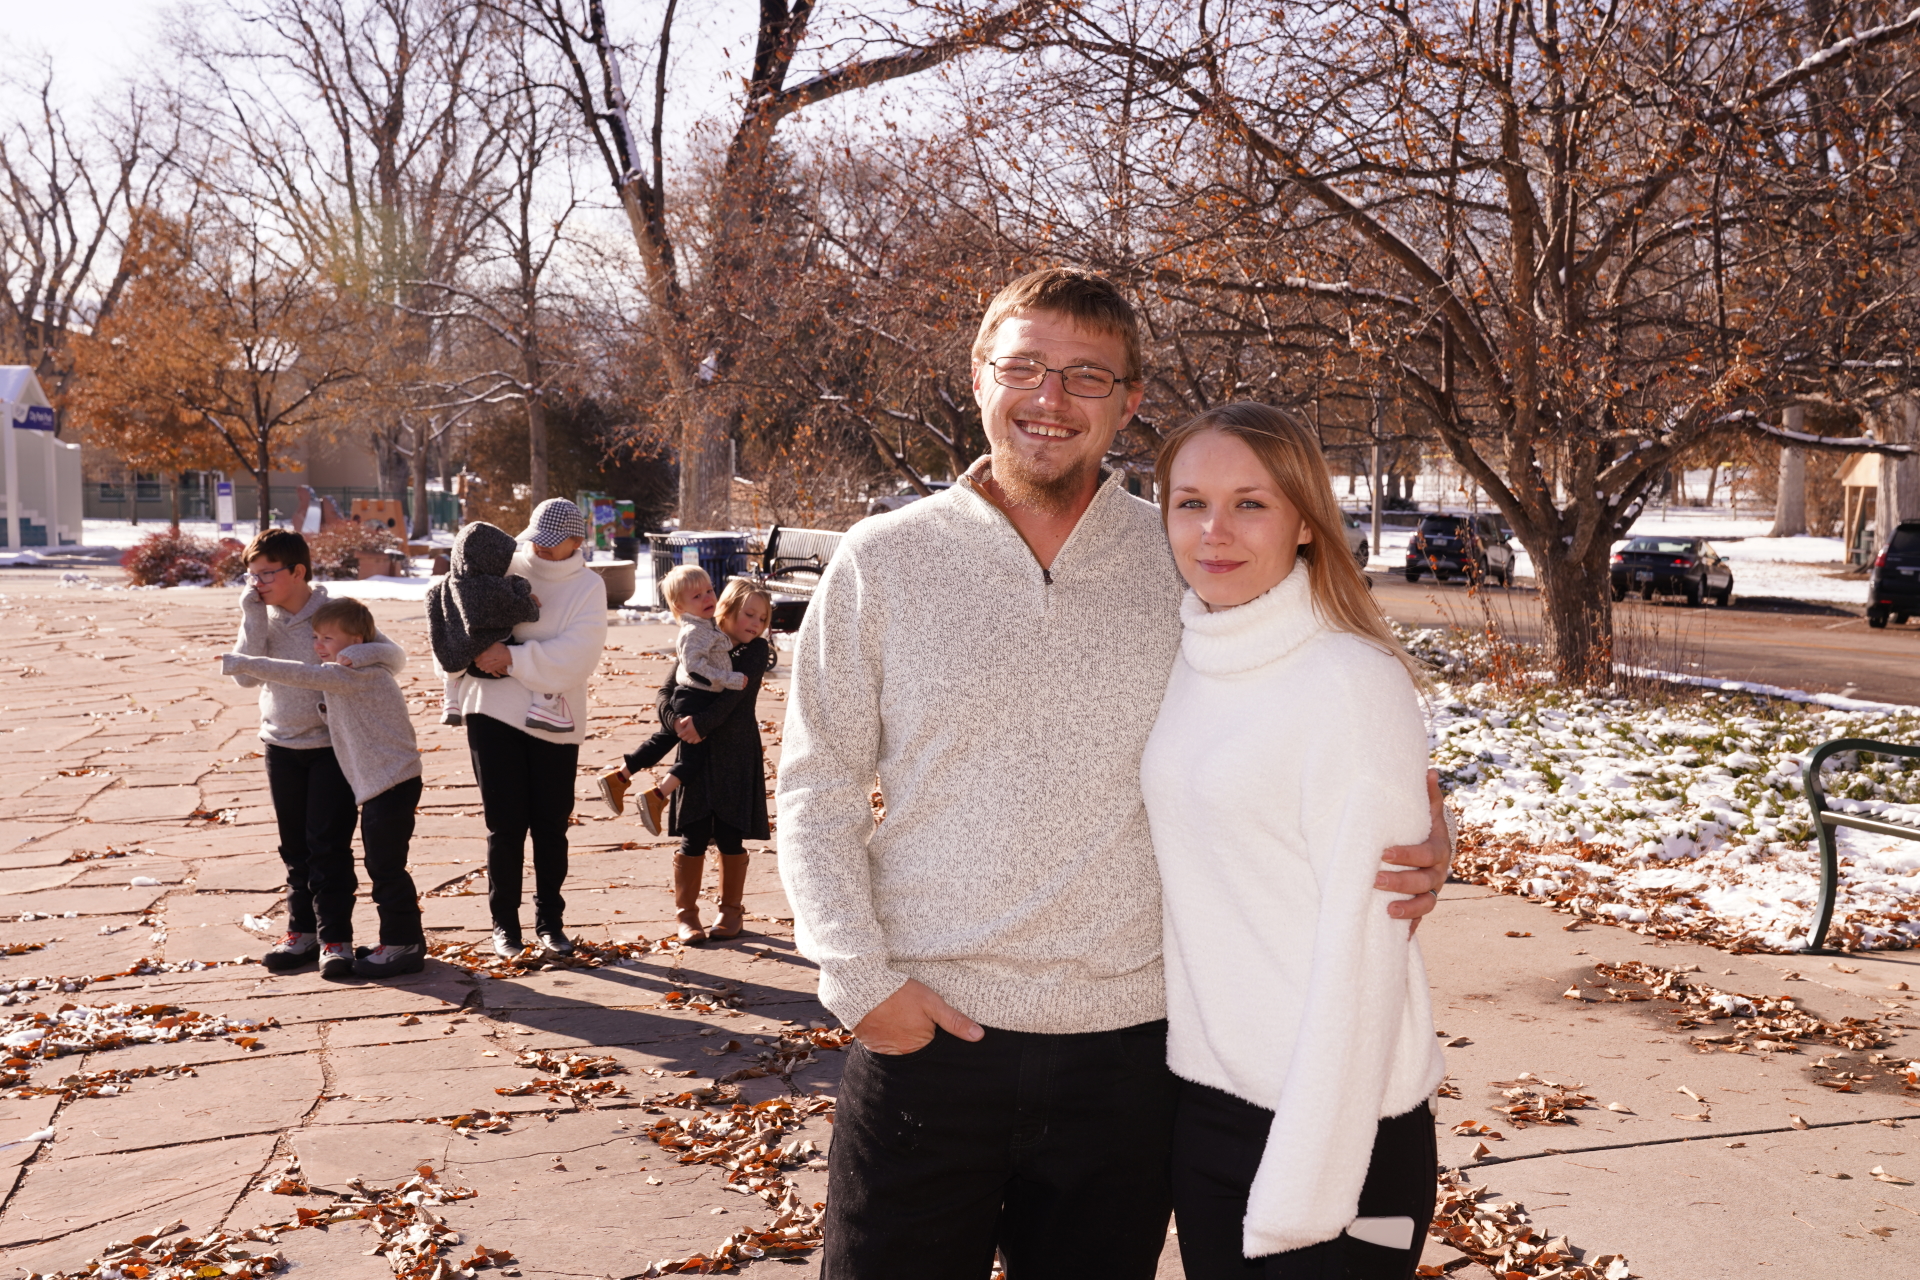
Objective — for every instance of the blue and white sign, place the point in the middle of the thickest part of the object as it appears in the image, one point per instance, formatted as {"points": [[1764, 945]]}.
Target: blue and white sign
{"points": [[32, 417], [223, 504]]}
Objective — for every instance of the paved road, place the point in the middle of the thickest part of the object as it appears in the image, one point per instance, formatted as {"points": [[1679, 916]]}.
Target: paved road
{"points": [[1820, 648]]}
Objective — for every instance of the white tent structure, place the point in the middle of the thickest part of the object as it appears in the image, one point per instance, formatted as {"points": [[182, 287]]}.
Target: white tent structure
{"points": [[41, 486]]}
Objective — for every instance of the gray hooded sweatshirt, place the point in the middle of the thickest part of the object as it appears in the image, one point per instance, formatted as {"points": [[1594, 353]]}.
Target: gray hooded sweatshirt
{"points": [[289, 716], [364, 709]]}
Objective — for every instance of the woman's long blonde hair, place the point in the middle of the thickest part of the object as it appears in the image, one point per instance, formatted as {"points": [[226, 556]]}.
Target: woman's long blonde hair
{"points": [[1291, 455]]}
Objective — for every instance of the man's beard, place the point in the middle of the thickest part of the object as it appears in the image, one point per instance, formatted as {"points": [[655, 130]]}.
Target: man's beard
{"points": [[1022, 486]]}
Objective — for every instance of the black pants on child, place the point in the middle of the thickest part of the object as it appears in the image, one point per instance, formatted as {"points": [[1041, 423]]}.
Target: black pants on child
{"points": [[695, 836], [1051, 1148], [693, 755], [526, 789], [314, 808], [1218, 1140], [386, 833]]}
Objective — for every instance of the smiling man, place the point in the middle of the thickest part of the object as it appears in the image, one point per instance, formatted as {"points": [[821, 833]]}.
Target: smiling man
{"points": [[995, 656]]}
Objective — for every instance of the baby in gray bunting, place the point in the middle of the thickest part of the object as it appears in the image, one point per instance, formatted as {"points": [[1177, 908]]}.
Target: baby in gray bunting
{"points": [[475, 606]]}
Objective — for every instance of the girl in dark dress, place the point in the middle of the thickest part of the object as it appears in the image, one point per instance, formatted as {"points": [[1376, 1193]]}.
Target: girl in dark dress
{"points": [[724, 803]]}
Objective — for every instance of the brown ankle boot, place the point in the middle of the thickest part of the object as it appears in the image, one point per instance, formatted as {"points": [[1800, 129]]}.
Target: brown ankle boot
{"points": [[733, 885], [686, 896]]}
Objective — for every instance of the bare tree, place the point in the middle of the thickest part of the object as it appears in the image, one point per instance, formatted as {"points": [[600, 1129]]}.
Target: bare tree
{"points": [[1543, 229], [695, 317], [67, 192], [362, 125]]}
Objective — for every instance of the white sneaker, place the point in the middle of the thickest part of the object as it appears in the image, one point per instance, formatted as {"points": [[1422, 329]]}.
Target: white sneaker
{"points": [[550, 712], [336, 959]]}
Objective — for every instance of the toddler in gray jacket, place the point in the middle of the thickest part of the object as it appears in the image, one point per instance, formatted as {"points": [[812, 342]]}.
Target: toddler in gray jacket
{"points": [[476, 606], [366, 715]]}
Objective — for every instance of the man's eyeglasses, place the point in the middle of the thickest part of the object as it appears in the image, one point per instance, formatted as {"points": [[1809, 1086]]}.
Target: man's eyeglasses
{"points": [[263, 579], [1088, 381]]}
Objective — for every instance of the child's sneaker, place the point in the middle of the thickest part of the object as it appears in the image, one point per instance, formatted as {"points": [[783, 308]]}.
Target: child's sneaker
{"points": [[336, 959], [387, 962], [613, 789], [452, 716], [652, 805], [550, 712], [295, 951]]}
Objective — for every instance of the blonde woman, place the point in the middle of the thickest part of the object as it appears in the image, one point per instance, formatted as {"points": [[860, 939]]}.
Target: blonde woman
{"points": [[1290, 749]]}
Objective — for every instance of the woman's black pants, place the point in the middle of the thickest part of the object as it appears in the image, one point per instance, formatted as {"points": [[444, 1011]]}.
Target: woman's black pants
{"points": [[1218, 1140], [526, 789]]}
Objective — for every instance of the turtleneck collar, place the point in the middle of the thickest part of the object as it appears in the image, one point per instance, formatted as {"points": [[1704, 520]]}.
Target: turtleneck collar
{"points": [[533, 568], [1223, 642]]}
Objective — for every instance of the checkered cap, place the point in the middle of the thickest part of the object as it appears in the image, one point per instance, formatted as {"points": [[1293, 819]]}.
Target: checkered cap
{"points": [[554, 521]]}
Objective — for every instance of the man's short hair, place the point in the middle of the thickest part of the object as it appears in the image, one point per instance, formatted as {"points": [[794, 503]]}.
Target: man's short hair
{"points": [[1091, 301], [347, 615], [283, 547], [681, 583]]}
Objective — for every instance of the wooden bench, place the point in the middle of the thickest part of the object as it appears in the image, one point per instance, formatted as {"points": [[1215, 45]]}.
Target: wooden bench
{"points": [[1826, 821]]}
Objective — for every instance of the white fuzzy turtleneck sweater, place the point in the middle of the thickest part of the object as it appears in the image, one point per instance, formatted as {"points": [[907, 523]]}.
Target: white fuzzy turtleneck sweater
{"points": [[555, 653], [1287, 755]]}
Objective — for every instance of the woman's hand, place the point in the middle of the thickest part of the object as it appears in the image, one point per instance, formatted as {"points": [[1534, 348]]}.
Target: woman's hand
{"points": [[684, 727], [496, 660], [1432, 860]]}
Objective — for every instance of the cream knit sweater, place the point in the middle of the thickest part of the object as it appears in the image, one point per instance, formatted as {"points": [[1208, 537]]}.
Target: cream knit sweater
{"points": [[556, 653], [1004, 710], [1287, 755]]}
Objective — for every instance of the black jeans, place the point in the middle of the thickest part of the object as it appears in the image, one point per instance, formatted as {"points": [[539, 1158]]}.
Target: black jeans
{"points": [[695, 836], [526, 788], [313, 806], [1217, 1144], [1053, 1148], [386, 832], [693, 755]]}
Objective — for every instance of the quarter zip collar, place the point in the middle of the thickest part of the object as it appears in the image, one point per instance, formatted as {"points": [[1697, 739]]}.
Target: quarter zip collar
{"points": [[970, 483]]}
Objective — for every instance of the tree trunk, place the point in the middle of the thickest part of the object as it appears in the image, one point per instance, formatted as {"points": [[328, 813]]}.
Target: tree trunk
{"points": [[1898, 497], [1578, 604], [537, 482], [421, 525], [262, 494], [704, 471], [1790, 495], [173, 506]]}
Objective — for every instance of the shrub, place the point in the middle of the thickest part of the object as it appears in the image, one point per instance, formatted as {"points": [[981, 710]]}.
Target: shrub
{"points": [[175, 559], [336, 550]]}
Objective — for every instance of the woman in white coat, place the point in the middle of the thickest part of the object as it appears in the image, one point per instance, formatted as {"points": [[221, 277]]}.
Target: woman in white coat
{"points": [[1290, 749], [524, 729]]}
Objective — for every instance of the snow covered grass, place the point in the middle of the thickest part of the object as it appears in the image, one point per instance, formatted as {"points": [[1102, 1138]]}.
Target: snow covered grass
{"points": [[1678, 810]]}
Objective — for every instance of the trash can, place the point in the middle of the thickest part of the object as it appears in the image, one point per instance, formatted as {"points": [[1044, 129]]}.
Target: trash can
{"points": [[722, 554]]}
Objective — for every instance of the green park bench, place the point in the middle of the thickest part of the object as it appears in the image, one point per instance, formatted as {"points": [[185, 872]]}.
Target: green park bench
{"points": [[1827, 820]]}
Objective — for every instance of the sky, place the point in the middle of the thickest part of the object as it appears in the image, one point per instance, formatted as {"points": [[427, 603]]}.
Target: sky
{"points": [[94, 43]]}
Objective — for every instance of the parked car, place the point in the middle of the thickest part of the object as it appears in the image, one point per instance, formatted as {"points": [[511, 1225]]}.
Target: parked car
{"points": [[1893, 590], [1475, 547], [1356, 537], [1687, 567], [894, 501]]}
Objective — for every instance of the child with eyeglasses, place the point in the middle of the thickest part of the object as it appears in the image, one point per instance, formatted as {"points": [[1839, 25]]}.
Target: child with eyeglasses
{"points": [[313, 803]]}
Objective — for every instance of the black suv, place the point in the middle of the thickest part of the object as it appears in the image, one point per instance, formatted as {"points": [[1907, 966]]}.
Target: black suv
{"points": [[1894, 589], [1687, 567], [1475, 547]]}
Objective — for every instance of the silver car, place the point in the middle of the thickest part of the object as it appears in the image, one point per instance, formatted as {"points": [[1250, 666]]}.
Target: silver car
{"points": [[1356, 537]]}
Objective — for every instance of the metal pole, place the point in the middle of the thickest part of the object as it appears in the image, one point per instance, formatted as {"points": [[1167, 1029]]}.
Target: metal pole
{"points": [[1373, 476]]}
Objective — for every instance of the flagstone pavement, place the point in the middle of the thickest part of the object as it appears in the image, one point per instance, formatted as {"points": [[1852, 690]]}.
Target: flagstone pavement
{"points": [[135, 825]]}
